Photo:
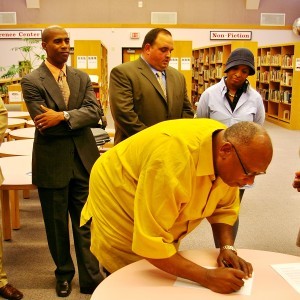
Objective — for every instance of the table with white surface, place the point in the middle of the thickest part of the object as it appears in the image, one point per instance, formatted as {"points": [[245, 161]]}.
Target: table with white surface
{"points": [[23, 133], [15, 123], [141, 280], [17, 176], [19, 114], [28, 133], [6, 134], [16, 148], [29, 123]]}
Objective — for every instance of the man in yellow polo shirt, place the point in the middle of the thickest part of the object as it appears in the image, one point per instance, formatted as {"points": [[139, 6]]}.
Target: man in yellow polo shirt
{"points": [[151, 190]]}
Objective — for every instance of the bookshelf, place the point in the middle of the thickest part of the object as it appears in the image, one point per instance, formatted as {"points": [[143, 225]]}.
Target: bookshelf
{"points": [[91, 57], [278, 83], [208, 64]]}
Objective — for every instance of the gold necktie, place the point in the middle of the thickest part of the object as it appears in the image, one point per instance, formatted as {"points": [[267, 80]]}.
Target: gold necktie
{"points": [[64, 87], [161, 82]]}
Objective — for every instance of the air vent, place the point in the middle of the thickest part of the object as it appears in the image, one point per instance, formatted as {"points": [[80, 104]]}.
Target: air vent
{"points": [[252, 4], [8, 18], [269, 19], [33, 3], [163, 17]]}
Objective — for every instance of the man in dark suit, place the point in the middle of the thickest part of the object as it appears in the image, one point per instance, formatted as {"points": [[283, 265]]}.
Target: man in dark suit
{"points": [[63, 154], [137, 99]]}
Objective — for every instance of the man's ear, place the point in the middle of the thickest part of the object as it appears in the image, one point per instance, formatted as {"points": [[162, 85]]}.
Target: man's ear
{"points": [[147, 48], [225, 150]]}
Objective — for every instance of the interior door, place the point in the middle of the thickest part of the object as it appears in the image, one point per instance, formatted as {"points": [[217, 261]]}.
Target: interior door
{"points": [[130, 54]]}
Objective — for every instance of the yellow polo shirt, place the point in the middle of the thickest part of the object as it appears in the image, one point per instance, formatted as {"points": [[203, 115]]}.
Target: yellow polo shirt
{"points": [[151, 190]]}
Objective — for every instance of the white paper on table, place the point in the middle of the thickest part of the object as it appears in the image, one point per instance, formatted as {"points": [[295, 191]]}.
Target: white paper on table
{"points": [[245, 290], [290, 272]]}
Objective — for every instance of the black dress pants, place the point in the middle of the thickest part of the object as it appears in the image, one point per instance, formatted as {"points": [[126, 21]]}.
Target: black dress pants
{"points": [[57, 206]]}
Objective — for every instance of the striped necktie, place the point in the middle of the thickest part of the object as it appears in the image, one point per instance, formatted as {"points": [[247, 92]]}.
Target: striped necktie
{"points": [[64, 87], [161, 82]]}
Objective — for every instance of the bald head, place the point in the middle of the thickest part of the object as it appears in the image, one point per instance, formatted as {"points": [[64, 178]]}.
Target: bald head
{"points": [[56, 43], [47, 32], [242, 149], [245, 133]]}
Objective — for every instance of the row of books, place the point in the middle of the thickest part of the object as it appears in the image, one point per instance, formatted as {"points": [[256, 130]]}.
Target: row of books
{"points": [[276, 95], [282, 76], [200, 88], [284, 61], [214, 57]]}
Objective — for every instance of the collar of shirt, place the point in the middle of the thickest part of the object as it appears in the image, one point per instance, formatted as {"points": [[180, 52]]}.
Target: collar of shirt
{"points": [[153, 69], [242, 89], [238, 94], [54, 70], [205, 164]]}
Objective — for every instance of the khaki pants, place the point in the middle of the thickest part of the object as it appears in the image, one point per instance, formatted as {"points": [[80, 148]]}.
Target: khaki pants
{"points": [[3, 276]]}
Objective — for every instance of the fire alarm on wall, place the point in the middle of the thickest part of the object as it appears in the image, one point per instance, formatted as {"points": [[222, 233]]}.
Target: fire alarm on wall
{"points": [[134, 35]]}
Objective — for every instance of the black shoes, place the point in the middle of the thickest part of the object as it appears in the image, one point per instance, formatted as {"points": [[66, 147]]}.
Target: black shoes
{"points": [[63, 288], [11, 293]]}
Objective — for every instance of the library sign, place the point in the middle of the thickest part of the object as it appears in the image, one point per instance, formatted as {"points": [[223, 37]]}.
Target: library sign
{"points": [[230, 35], [20, 34]]}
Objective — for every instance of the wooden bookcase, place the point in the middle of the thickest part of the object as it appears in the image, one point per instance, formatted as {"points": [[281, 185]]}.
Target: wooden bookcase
{"points": [[94, 54], [278, 82], [208, 65]]}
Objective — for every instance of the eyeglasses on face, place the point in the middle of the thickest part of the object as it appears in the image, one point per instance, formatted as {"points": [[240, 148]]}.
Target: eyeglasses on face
{"points": [[248, 174]]}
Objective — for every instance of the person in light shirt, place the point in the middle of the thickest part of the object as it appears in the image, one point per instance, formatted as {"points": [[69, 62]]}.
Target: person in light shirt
{"points": [[233, 99]]}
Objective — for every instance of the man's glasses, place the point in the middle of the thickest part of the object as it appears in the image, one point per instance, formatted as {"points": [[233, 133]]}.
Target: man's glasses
{"points": [[249, 174]]}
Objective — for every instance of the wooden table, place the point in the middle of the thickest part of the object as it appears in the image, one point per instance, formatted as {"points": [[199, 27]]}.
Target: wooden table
{"points": [[23, 133], [15, 123], [141, 280], [6, 134], [29, 123], [28, 133], [19, 114], [17, 174], [16, 148]]}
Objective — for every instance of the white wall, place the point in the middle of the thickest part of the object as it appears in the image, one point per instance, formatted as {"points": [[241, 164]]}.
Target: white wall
{"points": [[116, 38]]}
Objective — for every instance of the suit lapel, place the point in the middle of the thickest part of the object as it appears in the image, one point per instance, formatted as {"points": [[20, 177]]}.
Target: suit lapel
{"points": [[74, 85], [51, 86], [170, 80], [148, 73]]}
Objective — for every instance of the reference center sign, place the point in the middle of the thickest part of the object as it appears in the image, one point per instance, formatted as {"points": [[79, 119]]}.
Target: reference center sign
{"points": [[20, 34]]}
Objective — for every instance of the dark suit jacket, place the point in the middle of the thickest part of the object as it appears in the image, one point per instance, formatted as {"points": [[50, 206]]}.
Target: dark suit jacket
{"points": [[137, 100], [53, 151]]}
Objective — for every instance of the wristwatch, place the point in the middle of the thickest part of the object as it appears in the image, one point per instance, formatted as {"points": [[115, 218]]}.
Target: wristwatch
{"points": [[229, 247], [66, 116]]}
